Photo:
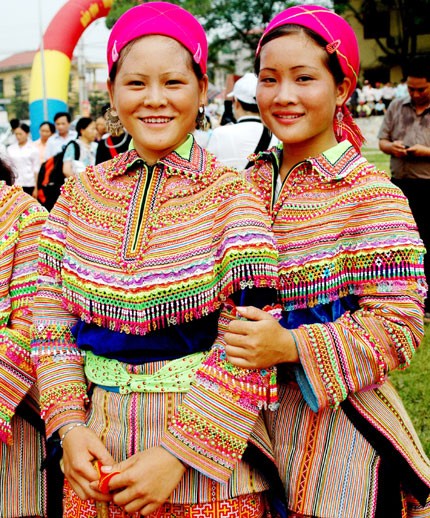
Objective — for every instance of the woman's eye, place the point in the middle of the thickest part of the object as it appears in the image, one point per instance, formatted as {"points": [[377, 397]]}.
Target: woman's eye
{"points": [[267, 80], [303, 79]]}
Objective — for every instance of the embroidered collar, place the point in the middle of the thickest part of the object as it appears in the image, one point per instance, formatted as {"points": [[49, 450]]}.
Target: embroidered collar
{"points": [[333, 164], [187, 160]]}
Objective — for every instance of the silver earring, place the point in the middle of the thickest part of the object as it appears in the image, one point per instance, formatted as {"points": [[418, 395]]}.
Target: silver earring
{"points": [[201, 120], [339, 122], [113, 124]]}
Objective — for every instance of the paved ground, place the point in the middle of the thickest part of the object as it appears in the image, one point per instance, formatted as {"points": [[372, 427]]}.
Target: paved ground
{"points": [[370, 127]]}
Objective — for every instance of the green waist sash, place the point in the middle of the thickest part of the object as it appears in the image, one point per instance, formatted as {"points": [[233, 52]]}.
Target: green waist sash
{"points": [[175, 376]]}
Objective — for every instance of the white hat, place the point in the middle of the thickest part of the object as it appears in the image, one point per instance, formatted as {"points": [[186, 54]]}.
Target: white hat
{"points": [[245, 89]]}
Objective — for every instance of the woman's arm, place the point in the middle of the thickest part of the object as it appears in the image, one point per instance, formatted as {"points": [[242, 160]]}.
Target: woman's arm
{"points": [[18, 266], [381, 255], [59, 363], [69, 156], [211, 428]]}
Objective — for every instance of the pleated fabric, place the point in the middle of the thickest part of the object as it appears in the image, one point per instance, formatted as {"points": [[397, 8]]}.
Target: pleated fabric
{"points": [[22, 483]]}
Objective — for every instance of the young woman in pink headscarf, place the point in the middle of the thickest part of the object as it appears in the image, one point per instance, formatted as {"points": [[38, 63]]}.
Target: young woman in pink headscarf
{"points": [[351, 269], [142, 261]]}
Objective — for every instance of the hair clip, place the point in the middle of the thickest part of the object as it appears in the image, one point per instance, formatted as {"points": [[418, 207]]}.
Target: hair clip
{"points": [[333, 46], [198, 54], [114, 53]]}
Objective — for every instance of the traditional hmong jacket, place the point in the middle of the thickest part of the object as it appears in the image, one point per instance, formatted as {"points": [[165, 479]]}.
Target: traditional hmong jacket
{"points": [[21, 220], [135, 248], [352, 284]]}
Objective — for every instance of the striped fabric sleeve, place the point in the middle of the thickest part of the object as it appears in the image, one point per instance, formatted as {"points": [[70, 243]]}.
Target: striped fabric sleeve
{"points": [[210, 429], [18, 267], [59, 363], [357, 351]]}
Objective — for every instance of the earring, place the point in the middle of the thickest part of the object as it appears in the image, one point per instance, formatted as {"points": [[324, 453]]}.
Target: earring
{"points": [[201, 120], [113, 124], [339, 126]]}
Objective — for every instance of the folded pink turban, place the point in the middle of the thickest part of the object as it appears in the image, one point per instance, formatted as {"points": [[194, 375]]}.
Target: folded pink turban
{"points": [[161, 18]]}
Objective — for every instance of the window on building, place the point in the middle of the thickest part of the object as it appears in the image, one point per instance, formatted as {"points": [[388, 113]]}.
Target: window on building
{"points": [[17, 85]]}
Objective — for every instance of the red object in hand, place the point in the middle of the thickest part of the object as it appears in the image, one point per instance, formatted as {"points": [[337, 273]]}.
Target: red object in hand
{"points": [[104, 478]]}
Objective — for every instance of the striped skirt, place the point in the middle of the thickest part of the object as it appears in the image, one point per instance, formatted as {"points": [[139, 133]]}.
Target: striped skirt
{"points": [[22, 484], [328, 468], [128, 423]]}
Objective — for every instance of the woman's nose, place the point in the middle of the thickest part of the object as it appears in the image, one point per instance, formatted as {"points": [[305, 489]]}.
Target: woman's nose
{"points": [[286, 93], [154, 96]]}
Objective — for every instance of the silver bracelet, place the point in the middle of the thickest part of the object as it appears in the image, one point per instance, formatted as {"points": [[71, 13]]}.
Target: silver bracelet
{"points": [[71, 427]]}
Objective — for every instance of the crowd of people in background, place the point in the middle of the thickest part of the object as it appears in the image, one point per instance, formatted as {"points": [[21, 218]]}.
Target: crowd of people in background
{"points": [[368, 99], [26, 156]]}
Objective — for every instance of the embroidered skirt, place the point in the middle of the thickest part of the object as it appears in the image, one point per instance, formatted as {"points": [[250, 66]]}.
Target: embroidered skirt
{"points": [[128, 423], [246, 506]]}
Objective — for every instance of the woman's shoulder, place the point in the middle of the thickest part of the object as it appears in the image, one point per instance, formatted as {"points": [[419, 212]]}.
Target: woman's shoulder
{"points": [[16, 204], [99, 183]]}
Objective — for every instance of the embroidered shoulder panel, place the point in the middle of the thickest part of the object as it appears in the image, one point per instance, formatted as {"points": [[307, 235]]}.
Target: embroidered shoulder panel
{"points": [[342, 228], [137, 248]]}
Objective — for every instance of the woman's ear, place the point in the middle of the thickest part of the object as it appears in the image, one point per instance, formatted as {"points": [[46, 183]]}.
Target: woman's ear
{"points": [[204, 85], [110, 87], [343, 91]]}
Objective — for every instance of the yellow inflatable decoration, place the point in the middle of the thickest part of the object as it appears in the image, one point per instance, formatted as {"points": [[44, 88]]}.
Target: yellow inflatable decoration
{"points": [[59, 41]]}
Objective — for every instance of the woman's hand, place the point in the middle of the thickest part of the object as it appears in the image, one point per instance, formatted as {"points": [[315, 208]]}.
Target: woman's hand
{"points": [[145, 480], [259, 341], [81, 447]]}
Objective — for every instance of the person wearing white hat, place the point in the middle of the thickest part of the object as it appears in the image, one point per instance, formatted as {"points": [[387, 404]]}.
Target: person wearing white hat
{"points": [[234, 143]]}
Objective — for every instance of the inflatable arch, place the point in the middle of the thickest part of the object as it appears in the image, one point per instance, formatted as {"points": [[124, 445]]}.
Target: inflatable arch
{"points": [[59, 41]]}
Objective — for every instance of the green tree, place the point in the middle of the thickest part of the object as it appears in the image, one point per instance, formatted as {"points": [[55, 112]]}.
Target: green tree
{"points": [[97, 100], [394, 25], [18, 104], [118, 8]]}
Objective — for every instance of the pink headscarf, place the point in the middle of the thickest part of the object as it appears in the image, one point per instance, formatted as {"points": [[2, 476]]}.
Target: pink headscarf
{"points": [[161, 18], [341, 40]]}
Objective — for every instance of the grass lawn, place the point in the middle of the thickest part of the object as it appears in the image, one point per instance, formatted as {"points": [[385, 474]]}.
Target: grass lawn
{"points": [[378, 158], [413, 386]]}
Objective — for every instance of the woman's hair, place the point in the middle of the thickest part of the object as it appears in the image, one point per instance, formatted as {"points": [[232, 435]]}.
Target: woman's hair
{"points": [[6, 172], [82, 124], [48, 123], [116, 66], [25, 127], [331, 60]]}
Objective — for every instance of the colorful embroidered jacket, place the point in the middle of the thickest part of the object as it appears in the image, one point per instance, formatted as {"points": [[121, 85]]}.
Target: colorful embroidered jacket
{"points": [[352, 284], [134, 248], [21, 220]]}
